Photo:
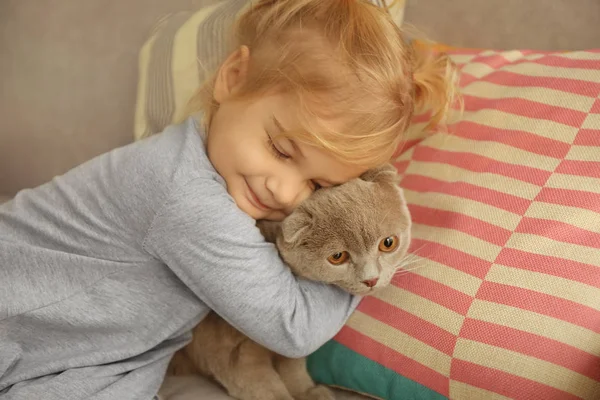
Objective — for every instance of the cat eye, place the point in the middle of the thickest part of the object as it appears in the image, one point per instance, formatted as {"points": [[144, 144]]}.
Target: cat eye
{"points": [[389, 244], [338, 258]]}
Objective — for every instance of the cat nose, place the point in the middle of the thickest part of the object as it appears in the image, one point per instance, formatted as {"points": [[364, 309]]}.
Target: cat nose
{"points": [[371, 282]]}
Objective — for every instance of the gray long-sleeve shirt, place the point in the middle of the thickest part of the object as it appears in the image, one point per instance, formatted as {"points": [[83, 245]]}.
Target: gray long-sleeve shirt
{"points": [[105, 270]]}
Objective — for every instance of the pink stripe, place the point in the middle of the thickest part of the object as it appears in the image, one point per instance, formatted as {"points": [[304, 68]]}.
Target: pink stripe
{"points": [[450, 257], [406, 145], [494, 60], [555, 266], [512, 79], [564, 62], [541, 303], [410, 324], [580, 168], [533, 345], [559, 231], [494, 198], [467, 79], [393, 360], [514, 138], [570, 198], [401, 166], [588, 137], [503, 383], [527, 108], [438, 293], [478, 163], [421, 118], [596, 107], [460, 222]]}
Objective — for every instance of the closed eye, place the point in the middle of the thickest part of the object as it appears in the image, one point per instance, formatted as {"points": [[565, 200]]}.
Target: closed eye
{"points": [[275, 150]]}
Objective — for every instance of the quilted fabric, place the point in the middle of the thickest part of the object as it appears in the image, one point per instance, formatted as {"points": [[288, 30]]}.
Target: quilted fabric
{"points": [[502, 299]]}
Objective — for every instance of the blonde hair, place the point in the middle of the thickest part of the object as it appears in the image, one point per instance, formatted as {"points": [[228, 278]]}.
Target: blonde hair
{"points": [[343, 59]]}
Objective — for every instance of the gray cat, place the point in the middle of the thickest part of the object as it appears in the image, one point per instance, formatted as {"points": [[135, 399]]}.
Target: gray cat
{"points": [[354, 236]]}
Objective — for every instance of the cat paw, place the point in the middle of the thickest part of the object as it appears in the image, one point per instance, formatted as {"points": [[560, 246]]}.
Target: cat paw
{"points": [[318, 392]]}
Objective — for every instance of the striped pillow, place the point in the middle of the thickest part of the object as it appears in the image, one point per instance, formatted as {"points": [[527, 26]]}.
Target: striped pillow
{"points": [[180, 53], [504, 298]]}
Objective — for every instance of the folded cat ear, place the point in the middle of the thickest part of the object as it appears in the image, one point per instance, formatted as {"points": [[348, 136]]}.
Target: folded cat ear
{"points": [[296, 224], [383, 174]]}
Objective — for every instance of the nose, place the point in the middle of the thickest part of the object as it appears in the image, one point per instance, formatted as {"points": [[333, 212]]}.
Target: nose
{"points": [[288, 190], [371, 282]]}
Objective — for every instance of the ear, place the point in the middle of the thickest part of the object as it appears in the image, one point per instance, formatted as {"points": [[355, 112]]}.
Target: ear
{"points": [[296, 224], [232, 74], [383, 174]]}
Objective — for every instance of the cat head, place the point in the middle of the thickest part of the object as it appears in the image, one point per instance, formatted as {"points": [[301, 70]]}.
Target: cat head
{"points": [[354, 235]]}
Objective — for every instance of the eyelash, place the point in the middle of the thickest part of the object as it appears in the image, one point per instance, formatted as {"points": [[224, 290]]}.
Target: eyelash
{"points": [[276, 151], [283, 156]]}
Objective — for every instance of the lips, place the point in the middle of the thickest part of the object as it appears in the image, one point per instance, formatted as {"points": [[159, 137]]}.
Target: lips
{"points": [[255, 200]]}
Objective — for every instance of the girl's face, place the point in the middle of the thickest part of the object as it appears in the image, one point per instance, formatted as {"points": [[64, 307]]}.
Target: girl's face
{"points": [[268, 177]]}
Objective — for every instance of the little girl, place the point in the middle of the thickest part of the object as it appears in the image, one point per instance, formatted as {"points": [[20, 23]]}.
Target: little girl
{"points": [[105, 270]]}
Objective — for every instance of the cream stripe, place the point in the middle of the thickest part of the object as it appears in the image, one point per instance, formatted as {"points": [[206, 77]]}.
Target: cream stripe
{"points": [[548, 96], [140, 110], [450, 173], [160, 102], [510, 55], [538, 324], [441, 201], [460, 390], [494, 150], [462, 58], [416, 130], [489, 53], [544, 246], [579, 55], [503, 120], [400, 342], [533, 69], [457, 240], [584, 153], [527, 367], [592, 121], [552, 285], [477, 69], [184, 62], [457, 280], [572, 182], [423, 308], [395, 8], [406, 155], [579, 217], [515, 55]]}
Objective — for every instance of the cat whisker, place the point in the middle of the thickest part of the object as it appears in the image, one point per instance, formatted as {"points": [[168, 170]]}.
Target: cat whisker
{"points": [[410, 258], [415, 252], [404, 265], [402, 269]]}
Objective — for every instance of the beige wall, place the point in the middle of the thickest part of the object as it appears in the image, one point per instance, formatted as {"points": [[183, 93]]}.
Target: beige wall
{"points": [[505, 24]]}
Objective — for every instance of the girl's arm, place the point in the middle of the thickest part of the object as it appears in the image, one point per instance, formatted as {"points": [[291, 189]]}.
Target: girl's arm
{"points": [[218, 252]]}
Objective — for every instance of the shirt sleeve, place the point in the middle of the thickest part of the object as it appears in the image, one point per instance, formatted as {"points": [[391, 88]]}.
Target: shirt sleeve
{"points": [[219, 253]]}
